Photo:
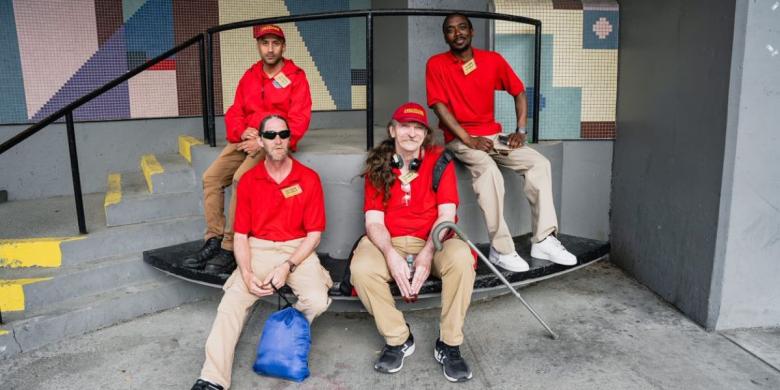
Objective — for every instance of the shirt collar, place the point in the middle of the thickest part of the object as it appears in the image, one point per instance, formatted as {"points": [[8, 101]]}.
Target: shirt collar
{"points": [[294, 175], [457, 60]]}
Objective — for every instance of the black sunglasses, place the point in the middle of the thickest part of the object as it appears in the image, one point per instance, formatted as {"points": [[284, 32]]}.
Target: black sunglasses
{"points": [[284, 134]]}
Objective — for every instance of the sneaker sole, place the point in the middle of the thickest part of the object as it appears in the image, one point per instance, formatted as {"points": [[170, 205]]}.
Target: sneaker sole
{"points": [[439, 359], [508, 268], [408, 353], [544, 256]]}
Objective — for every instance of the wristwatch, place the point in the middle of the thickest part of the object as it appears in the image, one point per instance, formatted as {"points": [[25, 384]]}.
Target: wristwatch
{"points": [[292, 265], [520, 130]]}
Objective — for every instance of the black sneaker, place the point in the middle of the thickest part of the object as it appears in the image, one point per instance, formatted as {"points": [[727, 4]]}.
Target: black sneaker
{"points": [[392, 358], [200, 384], [199, 259], [222, 263], [454, 366]]}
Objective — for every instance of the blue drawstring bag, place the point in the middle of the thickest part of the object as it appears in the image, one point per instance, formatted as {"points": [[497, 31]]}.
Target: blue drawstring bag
{"points": [[283, 350]]}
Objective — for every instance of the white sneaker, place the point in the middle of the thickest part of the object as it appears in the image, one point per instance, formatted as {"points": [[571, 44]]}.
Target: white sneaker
{"points": [[509, 261], [552, 249]]}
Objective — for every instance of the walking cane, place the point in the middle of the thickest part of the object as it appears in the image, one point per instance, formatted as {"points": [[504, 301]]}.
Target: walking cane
{"points": [[456, 229]]}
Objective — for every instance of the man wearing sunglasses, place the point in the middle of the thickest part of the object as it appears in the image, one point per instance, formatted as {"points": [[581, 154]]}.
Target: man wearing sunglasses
{"points": [[280, 217], [274, 84]]}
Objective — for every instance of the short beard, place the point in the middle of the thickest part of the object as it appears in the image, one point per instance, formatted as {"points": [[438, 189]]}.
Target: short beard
{"points": [[280, 158], [456, 50]]}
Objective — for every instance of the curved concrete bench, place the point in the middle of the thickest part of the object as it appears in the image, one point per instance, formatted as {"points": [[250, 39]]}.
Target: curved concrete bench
{"points": [[486, 285]]}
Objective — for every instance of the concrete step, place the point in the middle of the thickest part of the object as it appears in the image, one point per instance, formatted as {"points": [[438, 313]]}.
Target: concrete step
{"points": [[55, 285], [128, 239], [74, 317], [130, 201], [167, 173]]}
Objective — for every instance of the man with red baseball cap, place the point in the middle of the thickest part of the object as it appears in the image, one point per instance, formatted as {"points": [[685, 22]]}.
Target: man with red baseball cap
{"points": [[272, 85], [402, 207]]}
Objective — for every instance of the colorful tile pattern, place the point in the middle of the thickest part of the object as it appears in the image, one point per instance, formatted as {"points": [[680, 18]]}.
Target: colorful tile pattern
{"points": [[97, 40], [581, 56], [13, 106]]}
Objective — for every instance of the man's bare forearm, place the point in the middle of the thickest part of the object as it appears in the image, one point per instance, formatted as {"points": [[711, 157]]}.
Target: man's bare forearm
{"points": [[242, 252], [521, 110], [306, 248], [380, 236], [446, 117]]}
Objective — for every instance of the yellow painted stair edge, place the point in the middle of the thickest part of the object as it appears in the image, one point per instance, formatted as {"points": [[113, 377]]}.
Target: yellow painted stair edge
{"points": [[32, 252], [3, 332], [150, 166], [114, 192], [12, 293], [186, 143]]}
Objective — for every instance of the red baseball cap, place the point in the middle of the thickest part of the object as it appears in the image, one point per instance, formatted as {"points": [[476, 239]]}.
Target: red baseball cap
{"points": [[411, 112], [267, 29]]}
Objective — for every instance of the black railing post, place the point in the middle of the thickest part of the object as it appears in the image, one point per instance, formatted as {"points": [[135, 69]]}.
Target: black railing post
{"points": [[74, 171], [369, 81], [210, 87], [203, 91], [537, 79]]}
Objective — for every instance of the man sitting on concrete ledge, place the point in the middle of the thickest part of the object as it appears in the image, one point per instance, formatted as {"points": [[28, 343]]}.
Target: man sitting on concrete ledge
{"points": [[461, 85], [280, 216], [401, 209], [274, 84]]}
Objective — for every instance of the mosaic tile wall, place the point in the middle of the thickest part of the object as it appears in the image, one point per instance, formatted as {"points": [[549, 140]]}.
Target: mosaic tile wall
{"points": [[578, 69], [55, 51]]}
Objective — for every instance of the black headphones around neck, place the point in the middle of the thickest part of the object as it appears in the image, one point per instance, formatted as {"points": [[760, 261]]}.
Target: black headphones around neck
{"points": [[398, 162]]}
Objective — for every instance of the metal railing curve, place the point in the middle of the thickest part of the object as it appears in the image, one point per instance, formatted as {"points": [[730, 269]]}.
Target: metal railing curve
{"points": [[206, 67]]}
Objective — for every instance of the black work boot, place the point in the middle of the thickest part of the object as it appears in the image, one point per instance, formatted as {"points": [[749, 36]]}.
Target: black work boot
{"points": [[453, 365], [200, 384], [392, 358], [198, 260], [222, 263]]}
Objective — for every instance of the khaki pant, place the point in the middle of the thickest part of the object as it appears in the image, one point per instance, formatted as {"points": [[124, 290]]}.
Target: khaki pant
{"points": [[310, 283], [454, 264], [488, 185], [227, 169]]}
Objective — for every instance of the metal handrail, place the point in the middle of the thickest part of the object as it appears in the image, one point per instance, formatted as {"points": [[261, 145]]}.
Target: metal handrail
{"points": [[206, 62], [26, 133], [369, 14], [67, 112]]}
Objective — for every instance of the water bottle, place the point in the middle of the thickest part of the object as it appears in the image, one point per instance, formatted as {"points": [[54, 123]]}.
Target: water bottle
{"points": [[410, 263]]}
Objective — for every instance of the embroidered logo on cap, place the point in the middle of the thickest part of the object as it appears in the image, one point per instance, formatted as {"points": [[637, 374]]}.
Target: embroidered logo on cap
{"points": [[414, 111]]}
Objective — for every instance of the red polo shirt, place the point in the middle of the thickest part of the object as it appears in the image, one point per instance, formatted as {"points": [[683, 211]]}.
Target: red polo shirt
{"points": [[470, 98], [418, 217], [263, 211]]}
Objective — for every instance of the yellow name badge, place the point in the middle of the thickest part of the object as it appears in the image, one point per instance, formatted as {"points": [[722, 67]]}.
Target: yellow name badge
{"points": [[407, 177], [282, 80], [291, 191], [469, 67]]}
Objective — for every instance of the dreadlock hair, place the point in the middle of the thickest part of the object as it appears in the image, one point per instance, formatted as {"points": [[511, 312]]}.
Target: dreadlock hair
{"points": [[378, 169]]}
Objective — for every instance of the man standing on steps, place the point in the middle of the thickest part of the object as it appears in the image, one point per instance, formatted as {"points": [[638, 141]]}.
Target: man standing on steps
{"points": [[273, 85], [461, 85], [279, 223]]}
